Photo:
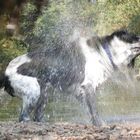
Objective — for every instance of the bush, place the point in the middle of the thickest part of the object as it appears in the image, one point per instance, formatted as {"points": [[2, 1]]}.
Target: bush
{"points": [[57, 22], [116, 14], [10, 48], [59, 18]]}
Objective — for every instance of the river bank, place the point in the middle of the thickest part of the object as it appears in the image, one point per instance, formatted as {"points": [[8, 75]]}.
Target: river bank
{"points": [[66, 131]]}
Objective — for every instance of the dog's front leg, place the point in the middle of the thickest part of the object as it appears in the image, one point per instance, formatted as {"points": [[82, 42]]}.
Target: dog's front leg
{"points": [[91, 102], [39, 115]]}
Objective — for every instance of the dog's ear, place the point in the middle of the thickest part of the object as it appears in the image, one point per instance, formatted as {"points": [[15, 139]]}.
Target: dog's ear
{"points": [[129, 38], [93, 41], [124, 35], [119, 33]]}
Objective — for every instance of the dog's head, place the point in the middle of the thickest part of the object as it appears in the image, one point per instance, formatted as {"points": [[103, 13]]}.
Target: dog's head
{"points": [[124, 47]]}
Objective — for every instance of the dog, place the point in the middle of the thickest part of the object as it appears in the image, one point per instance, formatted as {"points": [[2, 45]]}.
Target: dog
{"points": [[80, 66]]}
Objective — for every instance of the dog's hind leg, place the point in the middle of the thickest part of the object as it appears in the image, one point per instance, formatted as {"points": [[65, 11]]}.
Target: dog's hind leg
{"points": [[29, 91], [41, 104], [29, 102]]}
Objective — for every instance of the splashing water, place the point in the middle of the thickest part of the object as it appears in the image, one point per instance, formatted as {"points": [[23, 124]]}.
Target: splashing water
{"points": [[118, 98], [116, 103]]}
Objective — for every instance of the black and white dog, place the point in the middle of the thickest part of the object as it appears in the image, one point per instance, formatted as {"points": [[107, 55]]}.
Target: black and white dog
{"points": [[80, 67]]}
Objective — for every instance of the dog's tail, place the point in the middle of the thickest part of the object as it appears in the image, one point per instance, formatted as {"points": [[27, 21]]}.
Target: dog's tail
{"points": [[2, 79], [5, 83]]}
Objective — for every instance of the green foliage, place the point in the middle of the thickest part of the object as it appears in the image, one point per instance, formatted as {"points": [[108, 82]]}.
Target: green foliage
{"points": [[60, 17], [116, 14], [27, 18], [134, 24], [3, 21], [58, 21], [103, 17], [10, 48]]}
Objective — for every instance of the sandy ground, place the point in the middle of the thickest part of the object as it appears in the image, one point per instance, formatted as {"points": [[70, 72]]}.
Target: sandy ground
{"points": [[65, 131]]}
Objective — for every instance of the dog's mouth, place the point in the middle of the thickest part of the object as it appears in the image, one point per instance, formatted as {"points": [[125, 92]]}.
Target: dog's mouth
{"points": [[136, 50]]}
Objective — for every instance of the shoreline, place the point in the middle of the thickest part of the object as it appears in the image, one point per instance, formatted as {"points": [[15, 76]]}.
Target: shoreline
{"points": [[67, 131]]}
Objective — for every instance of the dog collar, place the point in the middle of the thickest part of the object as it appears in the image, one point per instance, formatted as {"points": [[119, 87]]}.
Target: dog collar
{"points": [[107, 50]]}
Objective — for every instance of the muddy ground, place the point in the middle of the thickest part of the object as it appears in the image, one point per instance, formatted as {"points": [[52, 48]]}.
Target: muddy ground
{"points": [[65, 131]]}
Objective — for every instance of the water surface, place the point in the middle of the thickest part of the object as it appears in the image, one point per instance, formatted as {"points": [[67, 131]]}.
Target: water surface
{"points": [[116, 103]]}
